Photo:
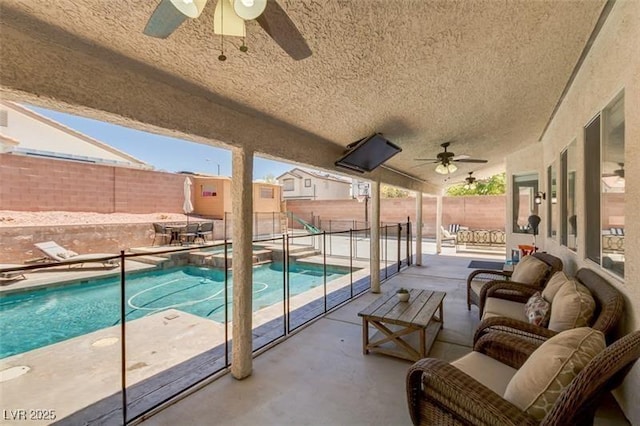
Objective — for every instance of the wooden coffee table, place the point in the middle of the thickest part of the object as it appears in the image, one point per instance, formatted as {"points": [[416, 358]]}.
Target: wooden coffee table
{"points": [[399, 322]]}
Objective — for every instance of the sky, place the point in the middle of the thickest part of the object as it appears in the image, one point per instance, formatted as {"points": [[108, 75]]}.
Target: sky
{"points": [[164, 153]]}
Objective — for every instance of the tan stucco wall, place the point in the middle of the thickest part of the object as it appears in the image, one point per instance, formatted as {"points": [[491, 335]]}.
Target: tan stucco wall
{"points": [[612, 65], [266, 205], [213, 206]]}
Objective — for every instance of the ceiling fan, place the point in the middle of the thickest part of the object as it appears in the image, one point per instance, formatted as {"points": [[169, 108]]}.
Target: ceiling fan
{"points": [[618, 172], [470, 181], [229, 19], [446, 159]]}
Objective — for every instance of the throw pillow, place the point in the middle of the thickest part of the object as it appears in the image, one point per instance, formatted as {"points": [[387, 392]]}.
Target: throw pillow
{"points": [[537, 310], [550, 369], [67, 254], [530, 270], [572, 307], [557, 280]]}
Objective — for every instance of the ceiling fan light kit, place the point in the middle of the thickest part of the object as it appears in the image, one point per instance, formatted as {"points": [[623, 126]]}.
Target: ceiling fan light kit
{"points": [[446, 159], [445, 169], [229, 20]]}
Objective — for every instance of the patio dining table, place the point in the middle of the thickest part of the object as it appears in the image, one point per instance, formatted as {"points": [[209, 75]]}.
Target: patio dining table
{"points": [[175, 231]]}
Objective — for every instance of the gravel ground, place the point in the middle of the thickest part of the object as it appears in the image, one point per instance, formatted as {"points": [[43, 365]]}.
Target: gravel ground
{"points": [[15, 218]]}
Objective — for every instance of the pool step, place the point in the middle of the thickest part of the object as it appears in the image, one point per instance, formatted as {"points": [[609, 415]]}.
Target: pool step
{"points": [[302, 254], [151, 260]]}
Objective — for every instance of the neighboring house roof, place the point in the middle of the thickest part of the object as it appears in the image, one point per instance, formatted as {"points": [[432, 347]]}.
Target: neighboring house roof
{"points": [[299, 173], [43, 137]]}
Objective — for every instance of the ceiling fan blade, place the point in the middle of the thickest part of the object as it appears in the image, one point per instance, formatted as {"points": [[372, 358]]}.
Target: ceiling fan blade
{"points": [[470, 160], [275, 22], [435, 160], [164, 20]]}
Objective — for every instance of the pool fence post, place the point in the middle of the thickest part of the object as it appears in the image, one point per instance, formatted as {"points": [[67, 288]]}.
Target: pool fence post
{"points": [[123, 345]]}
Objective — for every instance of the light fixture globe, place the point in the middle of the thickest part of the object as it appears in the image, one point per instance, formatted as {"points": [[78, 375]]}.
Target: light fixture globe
{"points": [[442, 169], [451, 167], [249, 9], [190, 8]]}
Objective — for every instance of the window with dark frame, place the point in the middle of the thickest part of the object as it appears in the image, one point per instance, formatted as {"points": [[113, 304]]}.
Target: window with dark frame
{"points": [[605, 187], [307, 183]]}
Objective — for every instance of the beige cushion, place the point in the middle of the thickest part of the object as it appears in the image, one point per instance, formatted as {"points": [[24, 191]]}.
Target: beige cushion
{"points": [[529, 270], [554, 284], [572, 307], [476, 286], [495, 307], [486, 370], [550, 368]]}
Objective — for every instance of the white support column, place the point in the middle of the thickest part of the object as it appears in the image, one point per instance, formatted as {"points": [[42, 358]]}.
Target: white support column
{"points": [[419, 228], [439, 223], [242, 209], [374, 263]]}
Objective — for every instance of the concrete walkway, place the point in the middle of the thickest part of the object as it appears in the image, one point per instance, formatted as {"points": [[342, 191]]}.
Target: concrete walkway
{"points": [[319, 376]]}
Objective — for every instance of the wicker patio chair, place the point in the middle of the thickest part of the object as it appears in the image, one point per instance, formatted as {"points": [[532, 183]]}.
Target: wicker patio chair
{"points": [[160, 231], [478, 281], [440, 394], [609, 308]]}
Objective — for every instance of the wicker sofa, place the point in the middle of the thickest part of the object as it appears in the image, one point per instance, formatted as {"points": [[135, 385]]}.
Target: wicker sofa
{"points": [[441, 393], [478, 282], [609, 307]]}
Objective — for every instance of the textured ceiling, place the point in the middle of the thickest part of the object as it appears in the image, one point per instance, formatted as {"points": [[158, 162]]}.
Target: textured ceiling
{"points": [[483, 74]]}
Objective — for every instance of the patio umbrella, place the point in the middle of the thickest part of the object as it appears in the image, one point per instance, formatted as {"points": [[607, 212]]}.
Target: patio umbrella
{"points": [[187, 206]]}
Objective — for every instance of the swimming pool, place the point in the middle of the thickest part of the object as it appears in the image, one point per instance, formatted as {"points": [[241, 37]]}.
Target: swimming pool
{"points": [[32, 319]]}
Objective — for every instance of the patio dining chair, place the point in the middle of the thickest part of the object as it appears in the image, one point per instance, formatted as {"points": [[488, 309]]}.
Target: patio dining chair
{"points": [[160, 231], [189, 234], [206, 228]]}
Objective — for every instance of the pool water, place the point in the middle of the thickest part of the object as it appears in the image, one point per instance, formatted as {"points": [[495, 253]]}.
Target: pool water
{"points": [[32, 319]]}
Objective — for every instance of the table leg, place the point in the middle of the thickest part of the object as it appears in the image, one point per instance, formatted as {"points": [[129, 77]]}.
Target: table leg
{"points": [[365, 336]]}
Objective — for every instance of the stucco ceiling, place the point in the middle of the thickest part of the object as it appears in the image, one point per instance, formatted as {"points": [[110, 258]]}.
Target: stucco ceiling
{"points": [[483, 74]]}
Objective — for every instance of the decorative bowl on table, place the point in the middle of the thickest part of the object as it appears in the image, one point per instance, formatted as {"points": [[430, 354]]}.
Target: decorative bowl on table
{"points": [[402, 294]]}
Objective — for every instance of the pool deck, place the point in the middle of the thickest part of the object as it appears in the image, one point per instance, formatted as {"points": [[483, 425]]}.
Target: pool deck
{"points": [[87, 369]]}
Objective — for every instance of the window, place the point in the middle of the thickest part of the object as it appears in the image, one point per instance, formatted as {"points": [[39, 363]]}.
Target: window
{"points": [[208, 191], [552, 205], [307, 183], [605, 187], [569, 229], [266, 192], [525, 187], [287, 184]]}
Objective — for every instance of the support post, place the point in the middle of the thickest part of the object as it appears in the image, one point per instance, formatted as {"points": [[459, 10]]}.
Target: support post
{"points": [[242, 208], [374, 263], [419, 228], [439, 223]]}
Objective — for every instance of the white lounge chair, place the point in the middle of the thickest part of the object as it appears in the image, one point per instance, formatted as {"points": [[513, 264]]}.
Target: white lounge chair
{"points": [[59, 254], [6, 276]]}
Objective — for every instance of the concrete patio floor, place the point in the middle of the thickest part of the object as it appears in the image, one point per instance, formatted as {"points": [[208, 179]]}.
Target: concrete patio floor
{"points": [[319, 376]]}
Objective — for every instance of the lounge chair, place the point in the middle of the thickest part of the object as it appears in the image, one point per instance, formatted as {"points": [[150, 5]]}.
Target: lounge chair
{"points": [[58, 254], [6, 276]]}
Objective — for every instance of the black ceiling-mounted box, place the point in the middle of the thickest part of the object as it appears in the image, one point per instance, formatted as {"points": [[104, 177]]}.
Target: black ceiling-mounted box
{"points": [[368, 153]]}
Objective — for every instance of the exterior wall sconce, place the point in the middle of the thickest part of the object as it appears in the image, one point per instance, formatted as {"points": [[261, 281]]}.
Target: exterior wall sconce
{"points": [[539, 197]]}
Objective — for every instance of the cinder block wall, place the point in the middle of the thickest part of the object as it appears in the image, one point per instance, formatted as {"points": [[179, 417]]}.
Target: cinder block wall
{"points": [[41, 184], [476, 212]]}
